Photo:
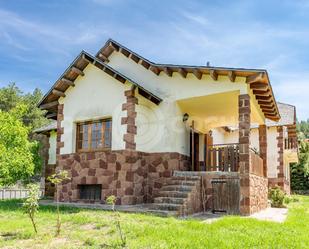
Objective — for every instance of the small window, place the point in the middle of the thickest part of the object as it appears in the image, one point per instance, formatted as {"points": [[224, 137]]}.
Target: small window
{"points": [[94, 135], [90, 192]]}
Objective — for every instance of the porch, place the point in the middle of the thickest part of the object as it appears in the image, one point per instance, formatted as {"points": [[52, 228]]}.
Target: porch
{"points": [[235, 172]]}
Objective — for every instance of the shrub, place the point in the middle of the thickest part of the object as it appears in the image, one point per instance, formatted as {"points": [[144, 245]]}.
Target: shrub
{"points": [[31, 204], [276, 196]]}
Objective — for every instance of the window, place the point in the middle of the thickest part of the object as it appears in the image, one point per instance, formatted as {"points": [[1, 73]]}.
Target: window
{"points": [[90, 192], [94, 135]]}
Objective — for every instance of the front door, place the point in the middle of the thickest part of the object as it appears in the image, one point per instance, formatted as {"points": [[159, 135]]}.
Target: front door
{"points": [[194, 151]]}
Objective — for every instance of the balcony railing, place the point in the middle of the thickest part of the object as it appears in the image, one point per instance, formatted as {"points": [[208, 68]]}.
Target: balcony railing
{"points": [[290, 143], [222, 157]]}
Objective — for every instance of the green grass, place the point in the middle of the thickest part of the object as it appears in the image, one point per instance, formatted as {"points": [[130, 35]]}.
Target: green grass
{"points": [[95, 229]]}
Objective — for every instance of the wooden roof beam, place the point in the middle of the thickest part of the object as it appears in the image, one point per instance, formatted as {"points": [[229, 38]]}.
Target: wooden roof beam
{"points": [[154, 69], [232, 76], [51, 115], [58, 93], [197, 73], [49, 105], [263, 97], [168, 71], [78, 71], [255, 78], [102, 56], [68, 82], [112, 46], [259, 86], [182, 72], [213, 74], [265, 102]]}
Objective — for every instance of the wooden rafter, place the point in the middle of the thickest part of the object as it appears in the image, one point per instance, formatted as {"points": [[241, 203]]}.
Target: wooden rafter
{"points": [[68, 82], [263, 97], [259, 86], [182, 72], [213, 74], [51, 115], [58, 93], [77, 70], [197, 73], [155, 70], [255, 78], [102, 56], [232, 76], [168, 71], [49, 105]]}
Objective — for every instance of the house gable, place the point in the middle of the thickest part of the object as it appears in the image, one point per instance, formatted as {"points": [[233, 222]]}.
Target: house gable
{"points": [[256, 79]]}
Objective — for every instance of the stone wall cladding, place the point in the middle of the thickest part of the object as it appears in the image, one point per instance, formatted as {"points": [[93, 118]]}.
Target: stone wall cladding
{"points": [[258, 193], [263, 147], [129, 106], [49, 187], [244, 111], [132, 176], [59, 129]]}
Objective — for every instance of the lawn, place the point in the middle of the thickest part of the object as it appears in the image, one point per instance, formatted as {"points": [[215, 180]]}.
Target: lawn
{"points": [[95, 229]]}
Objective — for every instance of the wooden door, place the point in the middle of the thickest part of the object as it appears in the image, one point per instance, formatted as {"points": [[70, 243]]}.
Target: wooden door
{"points": [[194, 151], [226, 195]]}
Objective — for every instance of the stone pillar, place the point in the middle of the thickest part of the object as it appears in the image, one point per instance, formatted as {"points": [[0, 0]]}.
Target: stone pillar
{"points": [[263, 147], [59, 129], [280, 144], [129, 106], [244, 111]]}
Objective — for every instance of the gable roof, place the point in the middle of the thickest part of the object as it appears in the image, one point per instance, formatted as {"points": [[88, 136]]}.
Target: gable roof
{"points": [[257, 78], [50, 101], [287, 113]]}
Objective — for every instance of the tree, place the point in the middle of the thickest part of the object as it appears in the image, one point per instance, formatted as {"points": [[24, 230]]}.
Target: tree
{"points": [[300, 171], [11, 97], [17, 158], [56, 179], [31, 204]]}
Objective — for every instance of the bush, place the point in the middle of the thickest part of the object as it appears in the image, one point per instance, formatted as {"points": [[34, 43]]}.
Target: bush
{"points": [[276, 196]]}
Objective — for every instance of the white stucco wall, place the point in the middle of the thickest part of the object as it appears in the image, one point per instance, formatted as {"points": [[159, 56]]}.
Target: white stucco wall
{"points": [[95, 95], [272, 152], [52, 147], [160, 127]]}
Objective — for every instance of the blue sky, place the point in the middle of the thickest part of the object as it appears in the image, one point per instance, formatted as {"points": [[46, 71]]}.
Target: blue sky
{"points": [[38, 39]]}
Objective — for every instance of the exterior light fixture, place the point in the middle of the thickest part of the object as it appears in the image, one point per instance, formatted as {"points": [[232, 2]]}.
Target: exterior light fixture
{"points": [[185, 117]]}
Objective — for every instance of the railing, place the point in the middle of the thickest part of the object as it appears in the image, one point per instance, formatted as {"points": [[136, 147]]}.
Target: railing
{"points": [[222, 157], [290, 143], [15, 193], [256, 163]]}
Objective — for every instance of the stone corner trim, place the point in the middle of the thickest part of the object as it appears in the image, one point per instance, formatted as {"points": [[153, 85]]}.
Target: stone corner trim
{"points": [[129, 120], [59, 129]]}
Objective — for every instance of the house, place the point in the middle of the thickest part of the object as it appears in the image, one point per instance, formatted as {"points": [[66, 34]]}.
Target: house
{"points": [[149, 133]]}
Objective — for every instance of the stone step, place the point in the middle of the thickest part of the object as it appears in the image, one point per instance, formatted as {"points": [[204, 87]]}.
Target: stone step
{"points": [[180, 188], [186, 178], [166, 206], [180, 182], [187, 174], [177, 194], [173, 200]]}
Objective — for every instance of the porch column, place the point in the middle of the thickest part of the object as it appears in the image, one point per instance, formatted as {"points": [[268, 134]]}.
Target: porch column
{"points": [[263, 147], [244, 111]]}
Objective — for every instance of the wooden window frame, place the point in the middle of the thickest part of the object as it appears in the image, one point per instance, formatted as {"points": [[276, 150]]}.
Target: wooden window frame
{"points": [[90, 122]]}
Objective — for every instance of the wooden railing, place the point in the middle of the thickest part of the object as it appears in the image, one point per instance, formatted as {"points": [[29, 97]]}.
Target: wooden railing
{"points": [[256, 163], [290, 143], [222, 157]]}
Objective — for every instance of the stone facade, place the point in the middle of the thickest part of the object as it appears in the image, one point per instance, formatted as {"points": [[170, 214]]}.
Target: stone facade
{"points": [[244, 111], [129, 106], [134, 177], [258, 193], [263, 147], [59, 128]]}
